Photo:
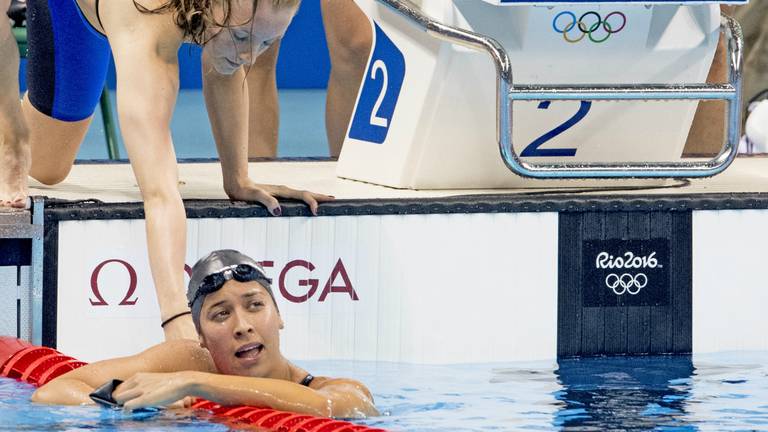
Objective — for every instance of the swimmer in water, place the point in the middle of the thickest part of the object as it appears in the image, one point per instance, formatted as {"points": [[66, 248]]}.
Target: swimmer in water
{"points": [[69, 48], [236, 362]]}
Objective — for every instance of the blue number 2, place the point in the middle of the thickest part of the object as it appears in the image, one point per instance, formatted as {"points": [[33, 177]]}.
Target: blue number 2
{"points": [[533, 148]]}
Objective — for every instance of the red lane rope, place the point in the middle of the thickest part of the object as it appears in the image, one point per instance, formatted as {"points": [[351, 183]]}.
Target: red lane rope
{"points": [[39, 365]]}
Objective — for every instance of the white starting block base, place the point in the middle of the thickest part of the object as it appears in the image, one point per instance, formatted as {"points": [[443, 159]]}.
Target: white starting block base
{"points": [[426, 113]]}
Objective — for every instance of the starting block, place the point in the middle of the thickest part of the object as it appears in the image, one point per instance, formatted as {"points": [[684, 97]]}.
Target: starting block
{"points": [[559, 89]]}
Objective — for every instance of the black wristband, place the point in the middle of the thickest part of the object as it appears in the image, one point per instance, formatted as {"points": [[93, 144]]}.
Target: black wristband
{"points": [[103, 395], [174, 317]]}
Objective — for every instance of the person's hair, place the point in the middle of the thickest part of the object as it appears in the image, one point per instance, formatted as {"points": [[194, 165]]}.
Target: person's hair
{"points": [[194, 17]]}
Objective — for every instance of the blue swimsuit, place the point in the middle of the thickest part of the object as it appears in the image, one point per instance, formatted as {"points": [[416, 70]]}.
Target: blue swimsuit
{"points": [[68, 60]]}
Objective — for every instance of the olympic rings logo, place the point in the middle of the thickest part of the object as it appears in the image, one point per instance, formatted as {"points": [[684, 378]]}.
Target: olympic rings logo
{"points": [[588, 24], [626, 283]]}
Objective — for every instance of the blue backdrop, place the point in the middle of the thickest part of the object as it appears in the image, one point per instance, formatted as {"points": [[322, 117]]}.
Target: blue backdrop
{"points": [[303, 61]]}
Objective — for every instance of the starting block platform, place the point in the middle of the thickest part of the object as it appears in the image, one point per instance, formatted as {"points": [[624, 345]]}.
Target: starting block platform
{"points": [[442, 276], [493, 94]]}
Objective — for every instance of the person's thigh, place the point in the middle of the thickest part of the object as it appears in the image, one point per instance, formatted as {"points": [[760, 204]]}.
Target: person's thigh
{"points": [[66, 68]]}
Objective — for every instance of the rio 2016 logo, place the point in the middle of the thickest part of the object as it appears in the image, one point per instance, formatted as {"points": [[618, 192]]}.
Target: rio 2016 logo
{"points": [[590, 24], [626, 282]]}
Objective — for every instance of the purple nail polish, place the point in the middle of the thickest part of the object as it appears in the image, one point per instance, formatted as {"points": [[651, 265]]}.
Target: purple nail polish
{"points": [[277, 211]]}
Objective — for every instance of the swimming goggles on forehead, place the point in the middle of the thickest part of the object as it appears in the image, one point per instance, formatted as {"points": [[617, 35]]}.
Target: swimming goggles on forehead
{"points": [[240, 272]]}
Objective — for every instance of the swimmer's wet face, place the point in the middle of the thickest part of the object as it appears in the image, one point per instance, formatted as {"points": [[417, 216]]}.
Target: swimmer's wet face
{"points": [[249, 32], [240, 326], [235, 313]]}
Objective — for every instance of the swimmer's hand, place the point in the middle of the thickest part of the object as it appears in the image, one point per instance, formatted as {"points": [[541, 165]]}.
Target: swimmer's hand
{"points": [[187, 402], [154, 390], [268, 194]]}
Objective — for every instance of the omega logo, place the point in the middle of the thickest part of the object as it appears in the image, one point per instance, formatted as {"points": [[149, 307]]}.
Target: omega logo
{"points": [[339, 271], [338, 281], [126, 301]]}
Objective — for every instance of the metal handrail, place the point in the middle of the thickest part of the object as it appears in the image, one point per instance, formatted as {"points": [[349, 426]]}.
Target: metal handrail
{"points": [[507, 92]]}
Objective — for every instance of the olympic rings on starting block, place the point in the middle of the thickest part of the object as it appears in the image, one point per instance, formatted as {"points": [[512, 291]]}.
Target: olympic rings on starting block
{"points": [[588, 30]]}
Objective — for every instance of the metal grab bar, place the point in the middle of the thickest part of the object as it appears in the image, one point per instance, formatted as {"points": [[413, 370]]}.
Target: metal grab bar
{"points": [[507, 92]]}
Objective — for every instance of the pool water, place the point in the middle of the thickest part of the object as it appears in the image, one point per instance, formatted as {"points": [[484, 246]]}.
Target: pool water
{"points": [[723, 392]]}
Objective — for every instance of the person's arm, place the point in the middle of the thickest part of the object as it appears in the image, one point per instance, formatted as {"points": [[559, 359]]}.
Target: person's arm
{"points": [[73, 387], [263, 104], [334, 398], [350, 36], [227, 103], [145, 49], [339, 398]]}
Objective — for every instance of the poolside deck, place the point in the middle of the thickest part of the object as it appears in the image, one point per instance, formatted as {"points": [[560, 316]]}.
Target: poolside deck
{"points": [[114, 183]]}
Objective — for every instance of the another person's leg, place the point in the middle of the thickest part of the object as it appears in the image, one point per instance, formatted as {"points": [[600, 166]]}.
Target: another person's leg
{"points": [[350, 38], [52, 159], [14, 147], [707, 133], [753, 18], [263, 105], [65, 83]]}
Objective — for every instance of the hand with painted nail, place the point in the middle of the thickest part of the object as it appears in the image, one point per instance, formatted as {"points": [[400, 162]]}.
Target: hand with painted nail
{"points": [[268, 195]]}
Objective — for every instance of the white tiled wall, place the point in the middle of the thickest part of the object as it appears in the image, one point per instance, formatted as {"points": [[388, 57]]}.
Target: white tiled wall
{"points": [[431, 288]]}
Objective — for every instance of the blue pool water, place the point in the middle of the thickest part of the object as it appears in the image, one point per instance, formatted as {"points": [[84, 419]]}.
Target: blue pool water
{"points": [[723, 392], [301, 131]]}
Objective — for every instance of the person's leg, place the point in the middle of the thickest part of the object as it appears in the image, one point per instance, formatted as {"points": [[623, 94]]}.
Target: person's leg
{"points": [[753, 18], [263, 106], [52, 159], [14, 147], [65, 82], [707, 133], [350, 38], [708, 129]]}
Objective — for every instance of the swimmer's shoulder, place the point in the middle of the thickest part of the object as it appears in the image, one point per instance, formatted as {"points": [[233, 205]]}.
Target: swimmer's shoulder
{"points": [[124, 22], [321, 383], [351, 398]]}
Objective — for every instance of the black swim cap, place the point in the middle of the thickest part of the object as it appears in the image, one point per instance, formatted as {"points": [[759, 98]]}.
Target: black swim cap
{"points": [[211, 272]]}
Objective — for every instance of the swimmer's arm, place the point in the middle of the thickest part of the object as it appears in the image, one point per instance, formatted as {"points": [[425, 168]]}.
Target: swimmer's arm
{"points": [[341, 398], [74, 387], [145, 48], [226, 99]]}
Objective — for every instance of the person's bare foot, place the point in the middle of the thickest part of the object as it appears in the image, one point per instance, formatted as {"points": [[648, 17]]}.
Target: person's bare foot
{"points": [[15, 161]]}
